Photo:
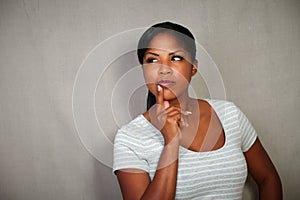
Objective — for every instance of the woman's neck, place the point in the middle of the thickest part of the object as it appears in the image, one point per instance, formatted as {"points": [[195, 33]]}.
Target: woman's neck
{"points": [[185, 104]]}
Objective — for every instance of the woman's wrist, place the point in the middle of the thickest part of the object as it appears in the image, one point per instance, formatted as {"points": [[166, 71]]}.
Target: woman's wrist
{"points": [[170, 154], [174, 141]]}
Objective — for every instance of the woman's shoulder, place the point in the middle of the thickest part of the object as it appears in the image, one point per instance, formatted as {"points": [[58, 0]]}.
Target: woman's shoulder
{"points": [[218, 104], [223, 108], [136, 128], [216, 101]]}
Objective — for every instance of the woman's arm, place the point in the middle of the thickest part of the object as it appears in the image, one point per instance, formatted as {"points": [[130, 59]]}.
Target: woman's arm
{"points": [[136, 184], [263, 172]]}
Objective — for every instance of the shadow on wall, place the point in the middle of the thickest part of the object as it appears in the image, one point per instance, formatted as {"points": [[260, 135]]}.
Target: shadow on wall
{"points": [[105, 183], [250, 190]]}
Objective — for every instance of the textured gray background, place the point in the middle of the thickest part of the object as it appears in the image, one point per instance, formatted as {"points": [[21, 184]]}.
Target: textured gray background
{"points": [[256, 45]]}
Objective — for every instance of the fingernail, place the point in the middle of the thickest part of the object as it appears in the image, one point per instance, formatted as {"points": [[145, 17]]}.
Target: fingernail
{"points": [[188, 112], [158, 87]]}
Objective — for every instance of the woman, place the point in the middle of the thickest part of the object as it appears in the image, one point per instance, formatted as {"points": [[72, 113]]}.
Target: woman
{"points": [[185, 148]]}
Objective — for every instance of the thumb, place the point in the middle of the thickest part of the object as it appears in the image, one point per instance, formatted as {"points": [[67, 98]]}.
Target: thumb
{"points": [[160, 95]]}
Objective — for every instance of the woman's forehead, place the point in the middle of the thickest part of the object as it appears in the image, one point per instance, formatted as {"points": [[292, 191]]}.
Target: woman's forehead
{"points": [[165, 41], [158, 52]]}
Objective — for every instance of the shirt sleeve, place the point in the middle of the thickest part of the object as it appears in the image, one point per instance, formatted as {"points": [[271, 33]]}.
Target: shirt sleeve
{"points": [[128, 153], [248, 133]]}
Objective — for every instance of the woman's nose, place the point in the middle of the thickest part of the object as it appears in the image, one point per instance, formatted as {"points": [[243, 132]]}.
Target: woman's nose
{"points": [[164, 70]]}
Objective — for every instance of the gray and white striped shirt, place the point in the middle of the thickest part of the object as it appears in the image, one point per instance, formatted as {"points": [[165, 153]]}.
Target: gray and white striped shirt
{"points": [[217, 174]]}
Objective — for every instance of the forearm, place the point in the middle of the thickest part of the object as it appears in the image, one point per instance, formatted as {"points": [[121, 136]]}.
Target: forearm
{"points": [[163, 185]]}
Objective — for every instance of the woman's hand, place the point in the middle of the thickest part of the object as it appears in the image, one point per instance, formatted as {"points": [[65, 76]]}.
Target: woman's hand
{"points": [[167, 118]]}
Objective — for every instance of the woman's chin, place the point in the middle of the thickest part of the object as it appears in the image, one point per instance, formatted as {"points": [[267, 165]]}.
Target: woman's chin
{"points": [[169, 95]]}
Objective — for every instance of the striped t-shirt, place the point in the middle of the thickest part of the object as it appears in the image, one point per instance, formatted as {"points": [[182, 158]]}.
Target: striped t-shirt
{"points": [[217, 174]]}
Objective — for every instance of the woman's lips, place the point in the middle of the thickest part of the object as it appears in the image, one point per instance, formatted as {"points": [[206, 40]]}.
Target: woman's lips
{"points": [[166, 83]]}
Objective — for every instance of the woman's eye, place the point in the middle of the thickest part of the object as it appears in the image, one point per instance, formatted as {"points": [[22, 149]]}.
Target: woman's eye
{"points": [[151, 60], [177, 58]]}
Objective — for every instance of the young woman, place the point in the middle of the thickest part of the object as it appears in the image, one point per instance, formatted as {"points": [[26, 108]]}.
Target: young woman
{"points": [[185, 148]]}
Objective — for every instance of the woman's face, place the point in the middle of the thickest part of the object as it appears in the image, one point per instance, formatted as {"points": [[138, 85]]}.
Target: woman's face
{"points": [[168, 64]]}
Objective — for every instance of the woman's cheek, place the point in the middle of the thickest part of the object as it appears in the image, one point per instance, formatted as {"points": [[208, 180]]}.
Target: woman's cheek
{"points": [[149, 76], [152, 87]]}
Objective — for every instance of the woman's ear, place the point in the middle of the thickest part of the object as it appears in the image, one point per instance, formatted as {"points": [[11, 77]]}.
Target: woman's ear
{"points": [[195, 67]]}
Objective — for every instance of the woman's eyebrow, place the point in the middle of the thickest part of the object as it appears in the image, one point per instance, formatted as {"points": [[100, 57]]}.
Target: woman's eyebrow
{"points": [[177, 52], [171, 53], [151, 53]]}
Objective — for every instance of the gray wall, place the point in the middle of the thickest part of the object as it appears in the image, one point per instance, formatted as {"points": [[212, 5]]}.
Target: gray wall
{"points": [[255, 44]]}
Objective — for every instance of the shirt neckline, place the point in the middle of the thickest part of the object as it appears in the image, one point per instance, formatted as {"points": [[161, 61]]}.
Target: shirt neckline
{"points": [[199, 152]]}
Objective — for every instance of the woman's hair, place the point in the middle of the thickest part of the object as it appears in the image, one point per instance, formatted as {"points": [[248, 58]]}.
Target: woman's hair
{"points": [[182, 34]]}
